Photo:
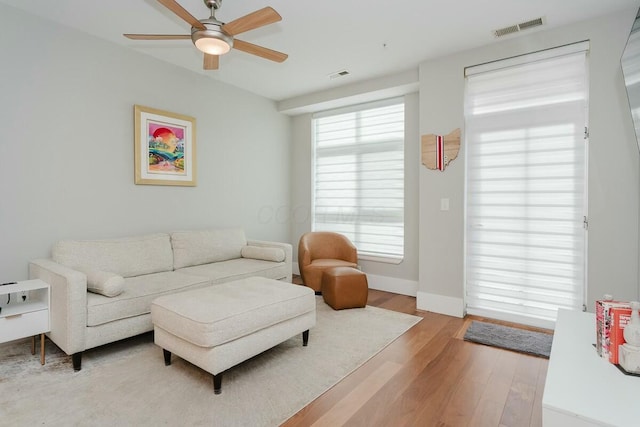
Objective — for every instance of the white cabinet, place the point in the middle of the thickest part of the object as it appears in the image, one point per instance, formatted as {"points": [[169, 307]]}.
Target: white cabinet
{"points": [[581, 388], [24, 311]]}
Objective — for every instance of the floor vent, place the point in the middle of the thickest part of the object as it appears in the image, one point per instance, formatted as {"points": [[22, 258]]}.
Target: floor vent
{"points": [[337, 74], [518, 27]]}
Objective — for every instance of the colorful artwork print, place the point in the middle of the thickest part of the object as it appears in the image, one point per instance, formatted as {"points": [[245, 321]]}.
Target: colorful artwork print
{"points": [[165, 148]]}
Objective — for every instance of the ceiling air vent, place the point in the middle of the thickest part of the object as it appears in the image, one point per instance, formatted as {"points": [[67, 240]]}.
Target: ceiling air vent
{"points": [[506, 30], [530, 24], [518, 27], [337, 74]]}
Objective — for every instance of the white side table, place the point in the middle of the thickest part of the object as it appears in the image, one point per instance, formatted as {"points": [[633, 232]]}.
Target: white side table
{"points": [[24, 311]]}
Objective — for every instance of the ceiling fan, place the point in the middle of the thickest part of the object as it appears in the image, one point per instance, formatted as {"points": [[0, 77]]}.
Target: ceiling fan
{"points": [[216, 38]]}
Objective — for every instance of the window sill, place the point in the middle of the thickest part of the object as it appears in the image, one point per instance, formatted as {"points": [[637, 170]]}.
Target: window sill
{"points": [[384, 259]]}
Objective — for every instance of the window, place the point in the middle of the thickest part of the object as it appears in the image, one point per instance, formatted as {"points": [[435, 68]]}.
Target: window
{"points": [[359, 177], [526, 142]]}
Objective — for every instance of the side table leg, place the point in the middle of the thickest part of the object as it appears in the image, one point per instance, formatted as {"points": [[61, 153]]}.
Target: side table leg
{"points": [[41, 348]]}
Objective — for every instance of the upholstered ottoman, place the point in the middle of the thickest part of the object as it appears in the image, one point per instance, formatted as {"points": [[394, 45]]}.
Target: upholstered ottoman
{"points": [[220, 326], [344, 287]]}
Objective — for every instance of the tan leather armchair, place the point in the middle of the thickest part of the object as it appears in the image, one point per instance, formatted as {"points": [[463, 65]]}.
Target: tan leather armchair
{"points": [[319, 250]]}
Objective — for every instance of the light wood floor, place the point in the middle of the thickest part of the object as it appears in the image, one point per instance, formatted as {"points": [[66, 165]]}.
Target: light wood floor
{"points": [[431, 377]]}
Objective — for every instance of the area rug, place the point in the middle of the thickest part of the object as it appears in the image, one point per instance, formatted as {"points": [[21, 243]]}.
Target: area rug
{"points": [[127, 383], [520, 340]]}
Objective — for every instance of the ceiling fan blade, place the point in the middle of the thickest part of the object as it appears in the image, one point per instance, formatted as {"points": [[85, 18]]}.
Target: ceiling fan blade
{"points": [[211, 62], [263, 52], [254, 20], [158, 36], [174, 7]]}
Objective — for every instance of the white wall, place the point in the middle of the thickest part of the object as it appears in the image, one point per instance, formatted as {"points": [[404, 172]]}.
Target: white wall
{"points": [[400, 278], [613, 165], [66, 120]]}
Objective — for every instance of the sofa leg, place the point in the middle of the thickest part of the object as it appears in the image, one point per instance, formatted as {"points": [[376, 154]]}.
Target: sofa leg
{"points": [[217, 383], [305, 338], [76, 358], [167, 357]]}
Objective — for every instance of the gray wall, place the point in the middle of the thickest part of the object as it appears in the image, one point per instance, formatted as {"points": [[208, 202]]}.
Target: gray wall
{"points": [[66, 119], [301, 191], [613, 163]]}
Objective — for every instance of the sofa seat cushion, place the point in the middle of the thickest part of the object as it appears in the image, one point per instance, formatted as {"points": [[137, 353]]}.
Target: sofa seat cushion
{"points": [[218, 314], [127, 257], [234, 269], [138, 294]]}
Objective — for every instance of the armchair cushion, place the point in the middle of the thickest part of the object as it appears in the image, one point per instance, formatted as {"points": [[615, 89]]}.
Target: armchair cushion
{"points": [[313, 271]]}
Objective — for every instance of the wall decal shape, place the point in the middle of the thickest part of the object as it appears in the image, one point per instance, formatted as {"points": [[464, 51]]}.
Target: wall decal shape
{"points": [[439, 150]]}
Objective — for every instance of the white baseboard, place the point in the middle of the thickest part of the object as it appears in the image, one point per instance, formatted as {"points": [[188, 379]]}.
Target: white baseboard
{"points": [[440, 304], [393, 284], [384, 283]]}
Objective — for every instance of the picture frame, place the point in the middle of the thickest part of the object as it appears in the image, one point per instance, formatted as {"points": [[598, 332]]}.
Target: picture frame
{"points": [[165, 147]]}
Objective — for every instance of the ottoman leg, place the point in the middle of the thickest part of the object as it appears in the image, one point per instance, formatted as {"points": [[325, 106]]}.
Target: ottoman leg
{"points": [[217, 383], [305, 338], [167, 357]]}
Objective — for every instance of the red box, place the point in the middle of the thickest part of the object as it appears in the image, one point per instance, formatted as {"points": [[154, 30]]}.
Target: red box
{"points": [[603, 324], [619, 319]]}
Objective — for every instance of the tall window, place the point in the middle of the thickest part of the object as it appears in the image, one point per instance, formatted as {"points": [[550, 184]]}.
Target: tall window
{"points": [[359, 176], [526, 141]]}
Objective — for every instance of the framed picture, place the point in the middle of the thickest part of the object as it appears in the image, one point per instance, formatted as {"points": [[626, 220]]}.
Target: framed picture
{"points": [[165, 147]]}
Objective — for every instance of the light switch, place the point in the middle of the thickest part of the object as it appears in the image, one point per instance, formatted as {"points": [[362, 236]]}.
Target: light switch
{"points": [[444, 204]]}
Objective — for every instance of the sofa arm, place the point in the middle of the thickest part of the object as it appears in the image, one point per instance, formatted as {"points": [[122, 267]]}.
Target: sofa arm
{"points": [[68, 303], [286, 247]]}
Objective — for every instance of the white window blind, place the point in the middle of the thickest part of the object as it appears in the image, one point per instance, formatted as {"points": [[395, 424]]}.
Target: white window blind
{"points": [[631, 70], [359, 176], [525, 131]]}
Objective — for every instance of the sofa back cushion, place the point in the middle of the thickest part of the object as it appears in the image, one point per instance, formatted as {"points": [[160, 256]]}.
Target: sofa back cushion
{"points": [[127, 257], [202, 247]]}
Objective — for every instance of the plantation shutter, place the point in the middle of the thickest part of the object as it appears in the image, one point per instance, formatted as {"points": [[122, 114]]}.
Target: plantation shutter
{"points": [[359, 176], [525, 129]]}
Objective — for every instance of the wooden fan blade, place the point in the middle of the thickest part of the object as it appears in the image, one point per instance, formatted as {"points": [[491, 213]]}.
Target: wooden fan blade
{"points": [[254, 20], [174, 7], [263, 52], [158, 36], [211, 62]]}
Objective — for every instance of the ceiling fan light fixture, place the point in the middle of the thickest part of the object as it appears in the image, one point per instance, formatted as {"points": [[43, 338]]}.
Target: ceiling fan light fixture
{"points": [[212, 45], [212, 40]]}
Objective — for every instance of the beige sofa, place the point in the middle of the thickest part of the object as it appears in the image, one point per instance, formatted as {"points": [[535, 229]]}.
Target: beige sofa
{"points": [[101, 290]]}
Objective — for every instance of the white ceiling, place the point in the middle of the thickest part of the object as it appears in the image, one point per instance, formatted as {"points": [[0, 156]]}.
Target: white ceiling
{"points": [[369, 38]]}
